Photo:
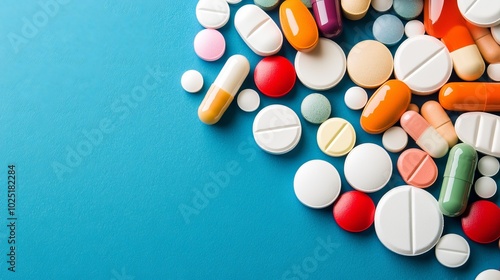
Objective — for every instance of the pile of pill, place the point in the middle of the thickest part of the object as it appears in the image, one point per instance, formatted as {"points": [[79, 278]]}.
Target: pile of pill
{"points": [[460, 36]]}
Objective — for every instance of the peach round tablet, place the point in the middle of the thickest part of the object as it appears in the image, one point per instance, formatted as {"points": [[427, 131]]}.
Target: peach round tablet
{"points": [[369, 64], [417, 168], [336, 137], [385, 107], [209, 44]]}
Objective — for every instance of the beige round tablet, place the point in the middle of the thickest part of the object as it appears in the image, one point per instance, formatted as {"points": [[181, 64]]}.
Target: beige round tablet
{"points": [[369, 64], [336, 137]]}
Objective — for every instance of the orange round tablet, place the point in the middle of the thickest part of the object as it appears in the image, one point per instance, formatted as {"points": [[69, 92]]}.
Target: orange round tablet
{"points": [[417, 168]]}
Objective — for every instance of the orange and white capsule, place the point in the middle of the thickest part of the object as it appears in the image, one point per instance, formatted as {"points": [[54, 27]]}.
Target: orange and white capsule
{"points": [[224, 88], [467, 60], [424, 134]]}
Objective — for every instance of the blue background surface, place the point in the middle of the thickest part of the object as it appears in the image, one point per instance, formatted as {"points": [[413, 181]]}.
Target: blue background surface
{"points": [[114, 211]]}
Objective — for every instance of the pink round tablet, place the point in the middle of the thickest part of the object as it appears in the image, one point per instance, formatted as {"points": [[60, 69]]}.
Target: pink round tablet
{"points": [[209, 44], [417, 168]]}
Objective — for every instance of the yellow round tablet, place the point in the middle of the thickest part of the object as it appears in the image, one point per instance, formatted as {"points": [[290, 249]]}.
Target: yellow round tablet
{"points": [[336, 137], [369, 64]]}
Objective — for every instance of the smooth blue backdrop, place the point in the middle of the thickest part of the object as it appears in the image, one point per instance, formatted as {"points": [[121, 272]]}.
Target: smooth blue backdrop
{"points": [[114, 211]]}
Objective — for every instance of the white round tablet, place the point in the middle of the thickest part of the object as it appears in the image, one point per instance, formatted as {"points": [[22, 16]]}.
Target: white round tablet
{"points": [[483, 13], [495, 33], [381, 5], [355, 98], [368, 167], [192, 81], [452, 250], [414, 28], [277, 129], [212, 13], [233, 1], [489, 274], [493, 71], [248, 100], [317, 184], [323, 67], [488, 166], [408, 221], [485, 187], [423, 63], [395, 139]]}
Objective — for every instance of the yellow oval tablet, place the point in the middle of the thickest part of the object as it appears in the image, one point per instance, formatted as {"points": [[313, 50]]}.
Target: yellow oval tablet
{"points": [[355, 9], [336, 137], [369, 64], [298, 25]]}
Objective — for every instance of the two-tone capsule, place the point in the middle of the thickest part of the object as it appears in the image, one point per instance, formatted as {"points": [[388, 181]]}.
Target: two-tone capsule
{"points": [[458, 180]]}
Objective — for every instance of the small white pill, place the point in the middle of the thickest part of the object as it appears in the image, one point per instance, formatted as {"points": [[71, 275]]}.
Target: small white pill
{"points": [[277, 129], [381, 5], [317, 184], [489, 274], [485, 187], [368, 167], [452, 250], [414, 28], [488, 166], [395, 139], [248, 100], [192, 81], [493, 71], [212, 13], [495, 33], [233, 1], [355, 98]]}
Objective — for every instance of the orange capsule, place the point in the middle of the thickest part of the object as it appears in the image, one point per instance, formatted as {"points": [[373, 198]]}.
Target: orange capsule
{"points": [[484, 97], [488, 47], [467, 60], [385, 107], [298, 25], [436, 116], [440, 16]]}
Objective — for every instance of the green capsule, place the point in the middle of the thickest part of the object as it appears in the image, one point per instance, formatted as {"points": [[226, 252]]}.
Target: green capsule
{"points": [[458, 180]]}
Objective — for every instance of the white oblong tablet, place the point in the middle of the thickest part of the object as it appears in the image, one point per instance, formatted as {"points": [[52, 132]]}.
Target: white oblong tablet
{"points": [[323, 67], [483, 13], [493, 71], [485, 187], [408, 221], [212, 13], [192, 81], [414, 28], [248, 100], [395, 139], [277, 129], [368, 168], [488, 166], [317, 184], [355, 98], [452, 250], [489, 274], [481, 131], [423, 63], [258, 30]]}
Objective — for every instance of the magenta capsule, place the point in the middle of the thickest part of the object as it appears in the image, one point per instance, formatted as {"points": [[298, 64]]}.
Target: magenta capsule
{"points": [[328, 18]]}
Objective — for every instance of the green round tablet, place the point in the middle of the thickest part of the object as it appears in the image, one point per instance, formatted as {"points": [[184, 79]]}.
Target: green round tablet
{"points": [[316, 108]]}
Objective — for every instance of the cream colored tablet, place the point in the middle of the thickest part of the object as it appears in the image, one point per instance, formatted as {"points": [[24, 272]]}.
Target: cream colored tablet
{"points": [[355, 10], [336, 137], [369, 64]]}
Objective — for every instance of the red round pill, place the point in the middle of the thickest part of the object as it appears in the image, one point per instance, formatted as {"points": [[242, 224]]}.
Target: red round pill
{"points": [[482, 222], [354, 211], [274, 76]]}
